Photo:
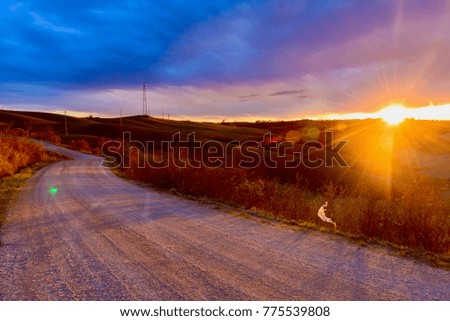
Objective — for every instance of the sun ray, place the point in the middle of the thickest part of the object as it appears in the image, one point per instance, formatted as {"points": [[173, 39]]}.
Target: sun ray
{"points": [[393, 114]]}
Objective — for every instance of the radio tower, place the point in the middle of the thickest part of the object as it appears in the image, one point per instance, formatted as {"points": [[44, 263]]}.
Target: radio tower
{"points": [[144, 101]]}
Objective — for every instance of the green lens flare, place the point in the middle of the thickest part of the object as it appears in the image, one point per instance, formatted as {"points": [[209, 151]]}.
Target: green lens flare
{"points": [[53, 190]]}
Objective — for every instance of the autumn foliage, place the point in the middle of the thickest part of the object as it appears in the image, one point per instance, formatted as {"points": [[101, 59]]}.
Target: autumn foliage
{"points": [[18, 152]]}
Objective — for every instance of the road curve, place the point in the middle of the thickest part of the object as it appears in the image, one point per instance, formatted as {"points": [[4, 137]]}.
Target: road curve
{"points": [[100, 238]]}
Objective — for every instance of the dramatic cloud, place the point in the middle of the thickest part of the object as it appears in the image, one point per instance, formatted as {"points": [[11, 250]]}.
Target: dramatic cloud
{"points": [[239, 59]]}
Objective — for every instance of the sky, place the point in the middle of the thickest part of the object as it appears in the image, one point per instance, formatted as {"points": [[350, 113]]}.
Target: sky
{"points": [[233, 60]]}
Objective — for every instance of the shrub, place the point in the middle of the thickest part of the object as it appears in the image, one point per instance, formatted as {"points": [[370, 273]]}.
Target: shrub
{"points": [[16, 153], [48, 134], [80, 144]]}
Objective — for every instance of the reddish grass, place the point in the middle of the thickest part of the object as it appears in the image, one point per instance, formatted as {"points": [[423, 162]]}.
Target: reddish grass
{"points": [[414, 213], [17, 152]]}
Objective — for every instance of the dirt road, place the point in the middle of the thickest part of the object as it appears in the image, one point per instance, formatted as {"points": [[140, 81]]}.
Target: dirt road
{"points": [[77, 232]]}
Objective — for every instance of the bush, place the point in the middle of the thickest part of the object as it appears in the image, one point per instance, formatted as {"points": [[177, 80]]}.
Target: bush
{"points": [[16, 153], [48, 135], [80, 144]]}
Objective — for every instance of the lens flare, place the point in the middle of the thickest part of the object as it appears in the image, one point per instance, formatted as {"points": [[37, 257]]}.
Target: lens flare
{"points": [[53, 190]]}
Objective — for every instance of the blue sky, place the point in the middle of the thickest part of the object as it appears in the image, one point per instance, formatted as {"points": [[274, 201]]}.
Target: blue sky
{"points": [[277, 59]]}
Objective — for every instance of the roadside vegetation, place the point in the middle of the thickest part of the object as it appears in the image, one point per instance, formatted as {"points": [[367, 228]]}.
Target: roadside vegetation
{"points": [[414, 214], [19, 160], [17, 153]]}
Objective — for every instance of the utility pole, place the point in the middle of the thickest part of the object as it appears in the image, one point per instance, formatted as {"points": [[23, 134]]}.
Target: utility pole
{"points": [[144, 101], [65, 122], [121, 117]]}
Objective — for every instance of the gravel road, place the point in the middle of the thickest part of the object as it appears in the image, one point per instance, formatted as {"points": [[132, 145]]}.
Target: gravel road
{"points": [[77, 232]]}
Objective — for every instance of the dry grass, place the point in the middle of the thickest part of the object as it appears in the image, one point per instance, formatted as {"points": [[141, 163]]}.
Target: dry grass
{"points": [[19, 160], [17, 152], [413, 214]]}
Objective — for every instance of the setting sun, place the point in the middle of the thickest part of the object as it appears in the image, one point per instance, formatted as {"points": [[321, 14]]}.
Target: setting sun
{"points": [[393, 114]]}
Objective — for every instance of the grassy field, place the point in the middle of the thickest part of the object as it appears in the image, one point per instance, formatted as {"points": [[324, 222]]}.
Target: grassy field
{"points": [[385, 194]]}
